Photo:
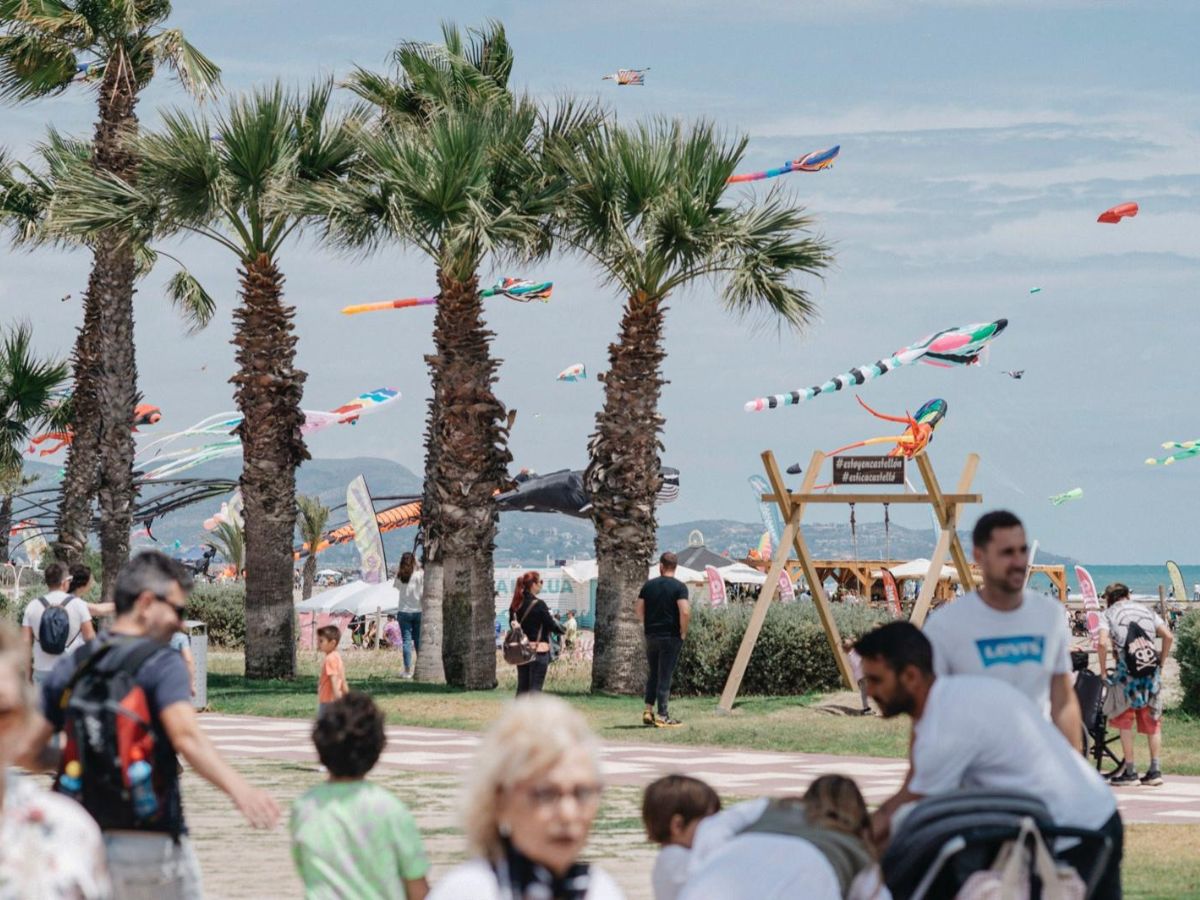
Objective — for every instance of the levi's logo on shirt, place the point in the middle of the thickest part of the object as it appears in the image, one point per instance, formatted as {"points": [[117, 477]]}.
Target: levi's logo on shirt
{"points": [[1012, 650]]}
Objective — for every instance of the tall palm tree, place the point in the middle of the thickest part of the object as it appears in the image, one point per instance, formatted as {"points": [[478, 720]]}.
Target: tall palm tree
{"points": [[10, 486], [236, 180], [649, 207], [311, 524], [467, 71], [466, 187], [115, 46], [28, 397]]}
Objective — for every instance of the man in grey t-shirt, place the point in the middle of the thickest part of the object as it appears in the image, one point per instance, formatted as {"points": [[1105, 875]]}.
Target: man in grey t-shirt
{"points": [[1003, 631]]}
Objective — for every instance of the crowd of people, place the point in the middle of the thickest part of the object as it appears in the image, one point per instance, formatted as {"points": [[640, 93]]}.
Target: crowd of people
{"points": [[987, 686]]}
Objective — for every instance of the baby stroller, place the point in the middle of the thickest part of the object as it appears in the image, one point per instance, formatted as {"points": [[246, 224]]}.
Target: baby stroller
{"points": [[1090, 690], [944, 840]]}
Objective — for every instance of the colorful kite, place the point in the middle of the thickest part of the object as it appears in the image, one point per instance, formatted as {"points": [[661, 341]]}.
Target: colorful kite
{"points": [[85, 71], [1073, 494], [1115, 214], [513, 288], [958, 346], [622, 77], [1017, 374], [577, 372], [1184, 450], [143, 414], [810, 162], [915, 438], [223, 426], [1035, 290]]}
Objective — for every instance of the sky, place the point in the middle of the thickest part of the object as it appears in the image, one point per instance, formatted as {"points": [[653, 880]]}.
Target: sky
{"points": [[979, 140]]}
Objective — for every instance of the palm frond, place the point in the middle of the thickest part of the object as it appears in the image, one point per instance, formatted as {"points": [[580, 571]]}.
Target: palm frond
{"points": [[194, 303], [32, 66], [27, 390], [198, 74]]}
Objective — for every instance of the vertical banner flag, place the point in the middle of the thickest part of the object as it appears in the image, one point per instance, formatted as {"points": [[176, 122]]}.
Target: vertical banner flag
{"points": [[891, 593], [716, 586], [1177, 581], [1091, 603], [771, 519], [361, 512], [787, 593]]}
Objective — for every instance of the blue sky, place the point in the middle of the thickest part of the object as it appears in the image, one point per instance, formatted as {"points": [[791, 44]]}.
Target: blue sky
{"points": [[980, 140]]}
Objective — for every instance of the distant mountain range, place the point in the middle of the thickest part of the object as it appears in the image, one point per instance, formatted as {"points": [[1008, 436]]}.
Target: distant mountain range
{"points": [[528, 538]]}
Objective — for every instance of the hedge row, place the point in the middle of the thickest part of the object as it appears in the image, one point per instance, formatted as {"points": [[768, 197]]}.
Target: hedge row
{"points": [[792, 655], [222, 607], [1187, 654]]}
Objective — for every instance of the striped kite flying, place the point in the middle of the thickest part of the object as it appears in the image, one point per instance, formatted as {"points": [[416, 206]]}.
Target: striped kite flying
{"points": [[513, 288], [622, 77], [957, 346], [810, 162]]}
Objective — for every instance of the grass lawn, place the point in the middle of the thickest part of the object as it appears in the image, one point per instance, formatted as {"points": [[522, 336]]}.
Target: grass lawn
{"points": [[815, 723]]}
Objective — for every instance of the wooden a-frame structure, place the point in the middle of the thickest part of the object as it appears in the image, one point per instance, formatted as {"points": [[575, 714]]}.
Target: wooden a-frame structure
{"points": [[791, 506]]}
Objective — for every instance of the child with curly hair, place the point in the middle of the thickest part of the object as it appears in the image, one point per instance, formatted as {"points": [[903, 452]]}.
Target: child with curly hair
{"points": [[352, 838]]}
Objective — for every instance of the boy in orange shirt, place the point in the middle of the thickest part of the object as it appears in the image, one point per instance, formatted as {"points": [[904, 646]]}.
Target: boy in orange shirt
{"points": [[332, 684]]}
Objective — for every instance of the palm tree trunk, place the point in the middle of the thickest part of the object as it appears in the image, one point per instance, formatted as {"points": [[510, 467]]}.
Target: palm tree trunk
{"points": [[623, 476], [82, 474], [310, 575], [268, 391], [6, 506], [466, 464], [114, 391], [428, 667]]}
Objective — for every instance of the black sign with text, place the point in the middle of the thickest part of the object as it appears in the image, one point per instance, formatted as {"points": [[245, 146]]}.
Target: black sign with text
{"points": [[868, 470]]}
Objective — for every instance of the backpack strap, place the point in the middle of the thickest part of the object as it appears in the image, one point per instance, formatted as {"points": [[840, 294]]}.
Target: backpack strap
{"points": [[127, 656]]}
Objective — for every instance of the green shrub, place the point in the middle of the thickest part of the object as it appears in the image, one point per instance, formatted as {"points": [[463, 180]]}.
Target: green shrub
{"points": [[792, 655], [1187, 654], [222, 607]]}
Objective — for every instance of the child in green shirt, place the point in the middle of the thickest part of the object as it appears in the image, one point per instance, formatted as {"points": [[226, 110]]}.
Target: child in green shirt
{"points": [[352, 838]]}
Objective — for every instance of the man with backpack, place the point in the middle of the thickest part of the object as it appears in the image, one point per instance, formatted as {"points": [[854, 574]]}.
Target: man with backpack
{"points": [[124, 702], [1135, 691], [55, 623]]}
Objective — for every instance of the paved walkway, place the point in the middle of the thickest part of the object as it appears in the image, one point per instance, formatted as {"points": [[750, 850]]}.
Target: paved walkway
{"points": [[739, 772]]}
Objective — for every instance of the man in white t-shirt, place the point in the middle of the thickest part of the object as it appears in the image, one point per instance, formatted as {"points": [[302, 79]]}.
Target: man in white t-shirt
{"points": [[971, 731], [1004, 631], [80, 628]]}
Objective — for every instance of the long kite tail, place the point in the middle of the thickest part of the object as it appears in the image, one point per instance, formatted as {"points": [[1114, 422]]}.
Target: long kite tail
{"points": [[855, 377], [388, 304], [891, 439]]}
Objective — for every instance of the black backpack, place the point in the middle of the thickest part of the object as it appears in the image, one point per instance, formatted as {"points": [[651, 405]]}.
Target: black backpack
{"points": [[106, 718], [1141, 656], [54, 631]]}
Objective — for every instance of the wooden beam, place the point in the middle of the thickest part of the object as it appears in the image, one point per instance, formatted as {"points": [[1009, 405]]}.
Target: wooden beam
{"points": [[948, 542], [953, 499], [791, 516]]}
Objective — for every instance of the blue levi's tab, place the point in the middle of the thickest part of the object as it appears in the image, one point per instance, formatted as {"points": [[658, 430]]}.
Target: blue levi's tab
{"points": [[1012, 650]]}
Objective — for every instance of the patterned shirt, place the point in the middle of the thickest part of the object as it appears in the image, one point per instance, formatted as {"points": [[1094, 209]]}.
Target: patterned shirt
{"points": [[49, 847]]}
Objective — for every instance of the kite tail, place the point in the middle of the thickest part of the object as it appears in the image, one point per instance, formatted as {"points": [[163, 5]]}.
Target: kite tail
{"points": [[855, 377]]}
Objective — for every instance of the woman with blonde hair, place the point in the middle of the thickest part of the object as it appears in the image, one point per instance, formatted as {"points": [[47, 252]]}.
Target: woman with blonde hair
{"points": [[49, 847], [529, 808]]}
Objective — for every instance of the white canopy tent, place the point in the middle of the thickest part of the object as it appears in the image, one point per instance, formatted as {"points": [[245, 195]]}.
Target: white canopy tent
{"points": [[356, 597], [918, 568]]}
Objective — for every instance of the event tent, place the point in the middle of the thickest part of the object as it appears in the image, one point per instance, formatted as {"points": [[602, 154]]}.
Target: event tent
{"points": [[356, 597]]}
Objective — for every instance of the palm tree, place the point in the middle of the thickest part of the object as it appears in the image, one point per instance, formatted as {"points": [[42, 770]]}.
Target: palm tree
{"points": [[28, 398], [236, 181], [229, 540], [465, 187], [428, 80], [649, 207], [313, 519], [26, 193], [115, 46]]}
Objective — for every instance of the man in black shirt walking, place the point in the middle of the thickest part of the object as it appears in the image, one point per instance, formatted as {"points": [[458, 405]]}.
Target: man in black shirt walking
{"points": [[664, 610]]}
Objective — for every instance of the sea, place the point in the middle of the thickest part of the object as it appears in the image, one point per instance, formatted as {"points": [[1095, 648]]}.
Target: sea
{"points": [[1139, 579]]}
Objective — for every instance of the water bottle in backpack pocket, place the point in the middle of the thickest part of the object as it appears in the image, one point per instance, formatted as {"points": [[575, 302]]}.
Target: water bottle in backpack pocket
{"points": [[108, 728]]}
